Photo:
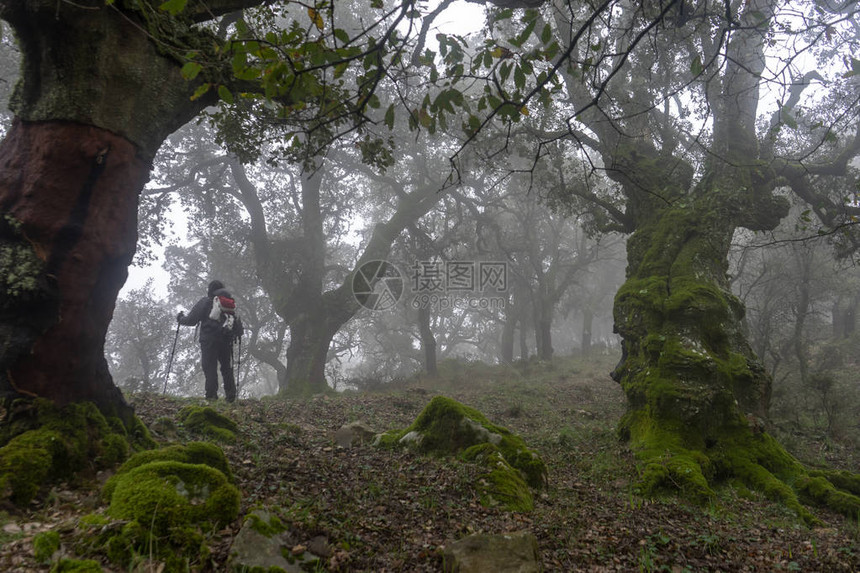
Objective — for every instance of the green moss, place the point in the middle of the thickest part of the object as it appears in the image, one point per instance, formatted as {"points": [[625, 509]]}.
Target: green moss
{"points": [[162, 507], [139, 436], [43, 442], [21, 269], [29, 461], [207, 422], [170, 495], [502, 484], [76, 566], [820, 491], [114, 449], [446, 427], [45, 544], [841, 479], [267, 527], [191, 453]]}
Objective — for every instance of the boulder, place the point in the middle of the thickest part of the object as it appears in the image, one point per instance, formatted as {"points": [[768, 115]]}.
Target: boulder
{"points": [[162, 502], [258, 544], [354, 434], [485, 553], [446, 427], [264, 544]]}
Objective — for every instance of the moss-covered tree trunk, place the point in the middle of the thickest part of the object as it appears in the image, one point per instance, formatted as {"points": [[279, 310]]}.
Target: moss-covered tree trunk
{"points": [[95, 101], [697, 394]]}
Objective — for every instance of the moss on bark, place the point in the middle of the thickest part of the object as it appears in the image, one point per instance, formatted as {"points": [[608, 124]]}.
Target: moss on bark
{"points": [[697, 394], [42, 443]]}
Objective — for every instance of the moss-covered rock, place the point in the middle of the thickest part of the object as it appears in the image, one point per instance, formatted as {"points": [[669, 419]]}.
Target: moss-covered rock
{"points": [[191, 453], [161, 503], [169, 495], [258, 545], [205, 421], [446, 427], [503, 484], [41, 443]]}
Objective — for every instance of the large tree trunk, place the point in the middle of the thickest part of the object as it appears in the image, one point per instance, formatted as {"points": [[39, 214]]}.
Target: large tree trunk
{"points": [[697, 394], [310, 340], [587, 325], [68, 193], [95, 101], [428, 341], [506, 351]]}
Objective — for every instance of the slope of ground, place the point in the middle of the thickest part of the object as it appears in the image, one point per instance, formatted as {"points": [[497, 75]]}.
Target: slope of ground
{"points": [[375, 510]]}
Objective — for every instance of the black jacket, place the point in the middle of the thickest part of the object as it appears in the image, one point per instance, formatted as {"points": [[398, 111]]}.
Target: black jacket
{"points": [[210, 330]]}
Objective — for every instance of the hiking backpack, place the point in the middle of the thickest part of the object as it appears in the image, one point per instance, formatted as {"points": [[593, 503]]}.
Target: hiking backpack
{"points": [[224, 311]]}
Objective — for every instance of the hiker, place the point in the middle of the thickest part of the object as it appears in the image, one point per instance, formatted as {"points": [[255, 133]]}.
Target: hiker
{"points": [[217, 334]]}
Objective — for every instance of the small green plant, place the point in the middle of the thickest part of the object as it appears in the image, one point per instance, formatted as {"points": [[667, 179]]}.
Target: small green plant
{"points": [[647, 553], [45, 544], [710, 541]]}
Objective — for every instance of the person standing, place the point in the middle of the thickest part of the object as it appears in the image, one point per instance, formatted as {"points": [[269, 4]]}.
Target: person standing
{"points": [[216, 341]]}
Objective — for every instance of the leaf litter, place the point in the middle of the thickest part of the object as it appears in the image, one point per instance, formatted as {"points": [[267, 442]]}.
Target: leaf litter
{"points": [[375, 510]]}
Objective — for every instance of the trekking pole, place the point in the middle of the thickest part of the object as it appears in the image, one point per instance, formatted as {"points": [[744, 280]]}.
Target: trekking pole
{"points": [[170, 360], [239, 369]]}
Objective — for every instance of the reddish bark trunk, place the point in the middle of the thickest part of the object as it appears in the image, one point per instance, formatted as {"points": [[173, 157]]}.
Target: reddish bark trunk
{"points": [[74, 190]]}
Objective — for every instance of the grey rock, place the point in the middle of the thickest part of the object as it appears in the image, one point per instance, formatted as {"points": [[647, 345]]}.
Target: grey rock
{"points": [[253, 549], [356, 433], [484, 553]]}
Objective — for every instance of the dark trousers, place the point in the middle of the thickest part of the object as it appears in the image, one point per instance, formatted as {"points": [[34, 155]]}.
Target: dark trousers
{"points": [[213, 353]]}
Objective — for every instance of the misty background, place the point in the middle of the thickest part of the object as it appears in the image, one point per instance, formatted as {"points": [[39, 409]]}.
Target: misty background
{"points": [[562, 266]]}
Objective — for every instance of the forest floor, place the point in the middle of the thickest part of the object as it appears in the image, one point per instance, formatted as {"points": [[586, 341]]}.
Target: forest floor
{"points": [[386, 511]]}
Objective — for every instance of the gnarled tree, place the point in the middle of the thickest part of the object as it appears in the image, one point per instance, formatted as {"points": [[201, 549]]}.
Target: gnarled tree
{"points": [[681, 127]]}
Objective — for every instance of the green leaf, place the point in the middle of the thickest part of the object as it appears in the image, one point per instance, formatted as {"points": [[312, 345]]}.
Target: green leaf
{"points": [[342, 35], [524, 35], [225, 95], [519, 78], [546, 34], [389, 117], [174, 7], [474, 124], [424, 118], [190, 70], [696, 67], [505, 71], [200, 91], [241, 27]]}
